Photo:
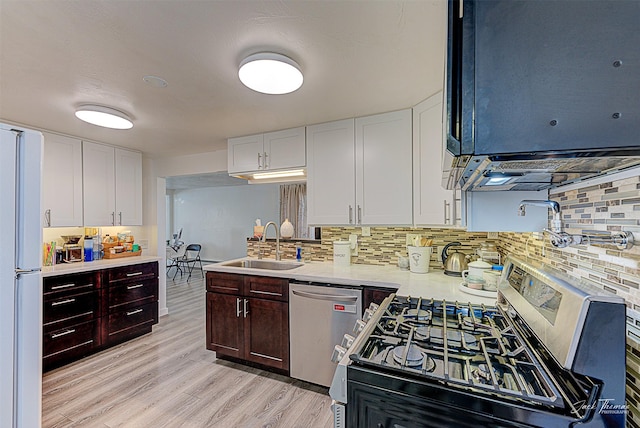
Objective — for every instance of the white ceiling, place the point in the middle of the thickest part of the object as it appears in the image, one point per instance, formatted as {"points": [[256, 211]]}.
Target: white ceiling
{"points": [[358, 58]]}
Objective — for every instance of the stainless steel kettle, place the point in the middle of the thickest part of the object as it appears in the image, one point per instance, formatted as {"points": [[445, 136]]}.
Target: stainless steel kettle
{"points": [[455, 262]]}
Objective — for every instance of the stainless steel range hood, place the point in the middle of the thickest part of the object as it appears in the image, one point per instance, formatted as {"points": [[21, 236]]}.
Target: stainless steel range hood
{"points": [[522, 172], [540, 93]]}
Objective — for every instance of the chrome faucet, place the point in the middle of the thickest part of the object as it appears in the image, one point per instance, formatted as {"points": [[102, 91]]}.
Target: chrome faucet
{"points": [[556, 223], [552, 205], [264, 237]]}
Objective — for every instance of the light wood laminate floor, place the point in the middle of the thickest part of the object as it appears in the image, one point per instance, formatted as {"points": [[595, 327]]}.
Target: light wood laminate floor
{"points": [[169, 379]]}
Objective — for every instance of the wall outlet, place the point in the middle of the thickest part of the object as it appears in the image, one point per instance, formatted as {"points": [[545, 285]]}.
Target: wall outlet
{"points": [[492, 235], [353, 238], [144, 244], [366, 231]]}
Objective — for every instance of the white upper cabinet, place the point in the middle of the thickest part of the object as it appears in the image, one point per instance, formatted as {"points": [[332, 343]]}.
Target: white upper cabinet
{"points": [[112, 186], [62, 181], [433, 205], [245, 153], [331, 185], [384, 169], [359, 171], [285, 149], [269, 151], [128, 187]]}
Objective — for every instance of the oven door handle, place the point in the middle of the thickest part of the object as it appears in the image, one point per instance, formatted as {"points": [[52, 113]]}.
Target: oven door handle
{"points": [[329, 297]]}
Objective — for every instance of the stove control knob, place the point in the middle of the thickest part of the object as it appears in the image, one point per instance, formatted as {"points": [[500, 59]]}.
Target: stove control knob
{"points": [[347, 341], [373, 306], [368, 313], [338, 353], [359, 326]]}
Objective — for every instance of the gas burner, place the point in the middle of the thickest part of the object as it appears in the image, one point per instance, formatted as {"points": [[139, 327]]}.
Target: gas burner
{"points": [[417, 314], [482, 375], [455, 338], [415, 358]]}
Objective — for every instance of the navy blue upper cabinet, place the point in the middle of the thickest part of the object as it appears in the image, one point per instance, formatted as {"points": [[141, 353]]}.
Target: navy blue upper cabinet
{"points": [[544, 76]]}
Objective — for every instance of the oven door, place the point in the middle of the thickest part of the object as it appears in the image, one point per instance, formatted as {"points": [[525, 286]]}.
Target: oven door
{"points": [[389, 400]]}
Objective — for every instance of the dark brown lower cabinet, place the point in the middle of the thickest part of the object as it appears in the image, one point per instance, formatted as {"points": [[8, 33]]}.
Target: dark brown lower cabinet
{"points": [[86, 312], [224, 324], [248, 319], [375, 295]]}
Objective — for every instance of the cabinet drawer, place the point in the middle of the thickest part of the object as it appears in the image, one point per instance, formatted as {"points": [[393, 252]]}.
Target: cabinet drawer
{"points": [[267, 288], [70, 284], [132, 319], [137, 292], [82, 306], [133, 272], [226, 283], [78, 338]]}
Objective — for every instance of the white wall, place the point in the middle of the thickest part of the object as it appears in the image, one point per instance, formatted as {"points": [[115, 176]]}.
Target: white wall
{"points": [[222, 218]]}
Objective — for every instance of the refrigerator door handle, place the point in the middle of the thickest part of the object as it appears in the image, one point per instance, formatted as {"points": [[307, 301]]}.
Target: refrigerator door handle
{"points": [[27, 271]]}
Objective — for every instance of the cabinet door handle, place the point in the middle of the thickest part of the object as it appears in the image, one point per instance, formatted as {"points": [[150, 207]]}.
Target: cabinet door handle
{"points": [[120, 216], [58, 287], [137, 311], [63, 302], [131, 287], [64, 333], [266, 162], [47, 217], [350, 214], [113, 218], [238, 310], [134, 274], [259, 160], [359, 215], [447, 219], [246, 307]]}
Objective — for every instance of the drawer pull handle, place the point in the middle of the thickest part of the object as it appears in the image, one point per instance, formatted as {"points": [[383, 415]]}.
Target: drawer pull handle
{"points": [[58, 287], [64, 333], [63, 302], [137, 311], [267, 293], [134, 274], [131, 287]]}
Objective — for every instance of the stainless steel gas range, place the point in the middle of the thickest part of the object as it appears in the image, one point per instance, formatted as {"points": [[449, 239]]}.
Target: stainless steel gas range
{"points": [[550, 353]]}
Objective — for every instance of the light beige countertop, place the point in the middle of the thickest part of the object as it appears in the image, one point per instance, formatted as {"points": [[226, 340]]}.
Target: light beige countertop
{"points": [[434, 284], [67, 268]]}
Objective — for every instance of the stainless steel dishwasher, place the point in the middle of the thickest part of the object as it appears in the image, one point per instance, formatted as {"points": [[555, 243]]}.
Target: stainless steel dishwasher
{"points": [[319, 316]]}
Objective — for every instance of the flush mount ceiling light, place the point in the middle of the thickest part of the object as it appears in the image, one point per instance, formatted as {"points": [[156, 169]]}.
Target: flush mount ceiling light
{"points": [[104, 116], [270, 73]]}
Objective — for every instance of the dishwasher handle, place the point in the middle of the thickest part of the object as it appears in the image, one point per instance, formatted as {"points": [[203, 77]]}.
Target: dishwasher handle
{"points": [[330, 297]]}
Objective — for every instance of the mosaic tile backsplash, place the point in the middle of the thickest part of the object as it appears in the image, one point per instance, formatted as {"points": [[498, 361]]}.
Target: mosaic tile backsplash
{"points": [[612, 206]]}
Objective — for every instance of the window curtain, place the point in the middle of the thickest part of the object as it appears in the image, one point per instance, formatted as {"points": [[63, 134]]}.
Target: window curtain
{"points": [[293, 205]]}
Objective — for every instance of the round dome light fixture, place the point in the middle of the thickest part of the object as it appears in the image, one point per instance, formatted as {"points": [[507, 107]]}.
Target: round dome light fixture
{"points": [[270, 73], [106, 117]]}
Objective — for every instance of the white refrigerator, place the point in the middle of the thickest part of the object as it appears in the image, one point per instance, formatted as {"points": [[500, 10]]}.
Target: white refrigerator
{"points": [[20, 278]]}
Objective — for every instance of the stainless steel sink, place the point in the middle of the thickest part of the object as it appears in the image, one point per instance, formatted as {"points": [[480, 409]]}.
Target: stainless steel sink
{"points": [[263, 264]]}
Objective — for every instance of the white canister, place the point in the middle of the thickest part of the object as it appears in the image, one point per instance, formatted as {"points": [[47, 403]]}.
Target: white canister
{"points": [[419, 258], [342, 253], [491, 278], [476, 269]]}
